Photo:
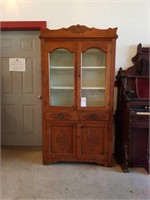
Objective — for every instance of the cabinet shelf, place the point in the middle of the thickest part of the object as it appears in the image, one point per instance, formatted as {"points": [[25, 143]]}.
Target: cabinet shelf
{"points": [[61, 88], [62, 67], [93, 67], [93, 88]]}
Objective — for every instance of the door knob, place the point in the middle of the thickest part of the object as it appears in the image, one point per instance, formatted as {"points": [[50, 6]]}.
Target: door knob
{"points": [[39, 96]]}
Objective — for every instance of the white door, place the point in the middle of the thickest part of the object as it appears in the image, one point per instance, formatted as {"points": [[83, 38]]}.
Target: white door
{"points": [[21, 90]]}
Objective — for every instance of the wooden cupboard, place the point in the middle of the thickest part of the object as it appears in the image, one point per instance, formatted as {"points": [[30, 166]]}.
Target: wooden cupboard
{"points": [[78, 66]]}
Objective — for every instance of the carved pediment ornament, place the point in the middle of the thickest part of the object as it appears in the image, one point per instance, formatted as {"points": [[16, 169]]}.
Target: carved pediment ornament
{"points": [[78, 29]]}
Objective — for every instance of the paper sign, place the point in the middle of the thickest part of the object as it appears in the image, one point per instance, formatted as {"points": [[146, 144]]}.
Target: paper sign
{"points": [[17, 64], [83, 101]]}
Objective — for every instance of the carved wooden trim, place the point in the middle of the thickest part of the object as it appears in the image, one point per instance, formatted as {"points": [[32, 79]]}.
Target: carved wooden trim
{"points": [[78, 29]]}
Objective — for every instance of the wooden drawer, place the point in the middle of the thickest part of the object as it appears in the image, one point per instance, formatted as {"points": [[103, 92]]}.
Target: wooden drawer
{"points": [[62, 116], [94, 116]]}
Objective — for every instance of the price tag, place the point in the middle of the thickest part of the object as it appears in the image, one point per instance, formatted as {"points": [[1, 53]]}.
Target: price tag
{"points": [[83, 101]]}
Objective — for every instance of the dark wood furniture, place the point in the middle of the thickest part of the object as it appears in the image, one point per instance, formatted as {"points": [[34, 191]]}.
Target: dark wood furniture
{"points": [[132, 114], [77, 92]]}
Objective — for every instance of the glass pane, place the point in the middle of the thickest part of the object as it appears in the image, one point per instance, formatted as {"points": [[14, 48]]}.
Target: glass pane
{"points": [[93, 97], [61, 78], [93, 80], [61, 57], [93, 77], [61, 97], [93, 57]]}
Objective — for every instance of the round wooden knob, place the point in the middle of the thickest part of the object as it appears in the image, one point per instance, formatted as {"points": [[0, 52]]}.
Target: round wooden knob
{"points": [[60, 116], [94, 117]]}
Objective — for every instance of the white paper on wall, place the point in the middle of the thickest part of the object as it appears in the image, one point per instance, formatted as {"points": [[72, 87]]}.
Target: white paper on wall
{"points": [[17, 64]]}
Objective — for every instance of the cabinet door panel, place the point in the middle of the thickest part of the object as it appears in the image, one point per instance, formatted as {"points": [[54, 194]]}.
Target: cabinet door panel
{"points": [[93, 66], [61, 140], [59, 82], [61, 77], [92, 141], [94, 77]]}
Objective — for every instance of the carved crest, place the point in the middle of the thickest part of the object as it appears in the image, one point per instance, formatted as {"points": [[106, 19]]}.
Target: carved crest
{"points": [[77, 29]]}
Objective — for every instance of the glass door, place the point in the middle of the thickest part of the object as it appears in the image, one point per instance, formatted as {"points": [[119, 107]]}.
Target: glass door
{"points": [[93, 78], [61, 78]]}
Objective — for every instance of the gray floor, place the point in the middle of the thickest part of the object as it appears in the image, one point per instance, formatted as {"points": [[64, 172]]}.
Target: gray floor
{"points": [[24, 177]]}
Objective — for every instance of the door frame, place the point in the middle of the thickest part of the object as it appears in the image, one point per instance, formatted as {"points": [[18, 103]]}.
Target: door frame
{"points": [[20, 26]]}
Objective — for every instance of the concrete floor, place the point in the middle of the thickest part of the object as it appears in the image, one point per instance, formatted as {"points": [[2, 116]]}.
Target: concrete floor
{"points": [[24, 177]]}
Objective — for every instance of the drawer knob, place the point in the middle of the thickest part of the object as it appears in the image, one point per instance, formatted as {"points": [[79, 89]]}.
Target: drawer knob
{"points": [[94, 117], [60, 116]]}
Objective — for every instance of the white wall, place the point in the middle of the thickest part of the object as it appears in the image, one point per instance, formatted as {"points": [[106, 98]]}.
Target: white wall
{"points": [[130, 16]]}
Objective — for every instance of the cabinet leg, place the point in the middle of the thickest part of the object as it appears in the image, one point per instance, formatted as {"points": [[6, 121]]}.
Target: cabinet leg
{"points": [[45, 162], [125, 169], [49, 161]]}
